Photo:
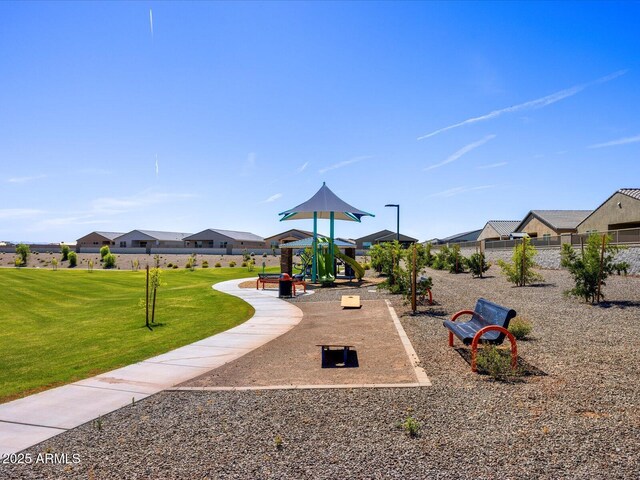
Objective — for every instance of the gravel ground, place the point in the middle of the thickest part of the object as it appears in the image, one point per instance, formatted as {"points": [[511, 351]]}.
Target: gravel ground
{"points": [[582, 420]]}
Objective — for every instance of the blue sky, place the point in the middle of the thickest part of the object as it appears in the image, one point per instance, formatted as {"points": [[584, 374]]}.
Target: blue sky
{"points": [[459, 112]]}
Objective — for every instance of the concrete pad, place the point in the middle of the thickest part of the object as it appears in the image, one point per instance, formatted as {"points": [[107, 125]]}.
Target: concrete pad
{"points": [[15, 437]]}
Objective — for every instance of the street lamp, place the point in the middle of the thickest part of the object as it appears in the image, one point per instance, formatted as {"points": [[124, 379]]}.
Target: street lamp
{"points": [[398, 222]]}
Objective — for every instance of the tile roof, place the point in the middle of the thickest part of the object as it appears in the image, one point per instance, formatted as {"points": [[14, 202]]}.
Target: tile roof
{"points": [[236, 235], [631, 192], [165, 236], [504, 227], [560, 219]]}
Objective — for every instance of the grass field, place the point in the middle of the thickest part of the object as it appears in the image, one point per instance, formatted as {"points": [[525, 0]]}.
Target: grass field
{"points": [[60, 326]]}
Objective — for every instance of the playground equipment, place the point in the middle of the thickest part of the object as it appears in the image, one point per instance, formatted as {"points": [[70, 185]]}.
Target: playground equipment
{"points": [[324, 205]]}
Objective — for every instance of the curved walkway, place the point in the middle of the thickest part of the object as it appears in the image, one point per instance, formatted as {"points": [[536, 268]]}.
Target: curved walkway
{"points": [[30, 420]]}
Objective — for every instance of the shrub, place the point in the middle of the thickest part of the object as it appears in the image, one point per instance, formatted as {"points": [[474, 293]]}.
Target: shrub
{"points": [[264, 255], [64, 249], [217, 265], [411, 426], [245, 255], [244, 264], [477, 264], [496, 362], [622, 268], [175, 266], [232, 264], [520, 328], [104, 251], [455, 261], [585, 268], [73, 259], [366, 266], [252, 254], [109, 260], [170, 265], [439, 261], [90, 265], [520, 270], [23, 252], [54, 264], [205, 264]]}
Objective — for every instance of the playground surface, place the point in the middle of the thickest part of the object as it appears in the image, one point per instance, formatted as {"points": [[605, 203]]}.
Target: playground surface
{"points": [[294, 358]]}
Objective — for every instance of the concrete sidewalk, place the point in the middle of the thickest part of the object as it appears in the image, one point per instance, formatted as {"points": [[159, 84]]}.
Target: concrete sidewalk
{"points": [[31, 420]]}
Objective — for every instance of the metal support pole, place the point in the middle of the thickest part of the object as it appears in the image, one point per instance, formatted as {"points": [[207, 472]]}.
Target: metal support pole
{"points": [[331, 247], [398, 224], [314, 260]]}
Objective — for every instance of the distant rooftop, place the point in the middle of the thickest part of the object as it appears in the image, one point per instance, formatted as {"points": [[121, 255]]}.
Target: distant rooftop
{"points": [[559, 219], [110, 235], [632, 192], [504, 227], [164, 236], [236, 235]]}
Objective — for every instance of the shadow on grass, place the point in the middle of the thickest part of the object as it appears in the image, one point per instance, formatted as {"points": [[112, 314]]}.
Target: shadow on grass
{"points": [[525, 367]]}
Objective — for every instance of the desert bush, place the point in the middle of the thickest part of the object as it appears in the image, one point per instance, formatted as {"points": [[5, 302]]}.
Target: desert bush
{"points": [[104, 251], [90, 265], [520, 328], [477, 264], [496, 362], [520, 270], [439, 261], [54, 264], [205, 264], [73, 259], [232, 264], [264, 255], [175, 266], [455, 261], [587, 272], [109, 261], [411, 426], [366, 266], [217, 265], [245, 255], [170, 265], [23, 252], [243, 264], [64, 250], [622, 268]]}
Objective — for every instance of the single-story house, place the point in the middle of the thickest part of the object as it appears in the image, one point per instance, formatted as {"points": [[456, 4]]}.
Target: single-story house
{"points": [[383, 236], [98, 239], [498, 229], [471, 236], [229, 239], [292, 235], [620, 211], [551, 223], [151, 239]]}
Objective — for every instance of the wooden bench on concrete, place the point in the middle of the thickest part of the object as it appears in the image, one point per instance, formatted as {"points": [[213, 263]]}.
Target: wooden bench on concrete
{"points": [[488, 324], [328, 347]]}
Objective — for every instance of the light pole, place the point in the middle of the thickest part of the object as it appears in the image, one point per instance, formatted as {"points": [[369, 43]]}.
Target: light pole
{"points": [[398, 222]]}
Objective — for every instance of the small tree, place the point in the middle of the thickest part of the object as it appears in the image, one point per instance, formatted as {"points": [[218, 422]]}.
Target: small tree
{"points": [[64, 250], [104, 251], [54, 264], [109, 261], [455, 261], [23, 252], [154, 279], [591, 268], [520, 270], [477, 264], [73, 259]]}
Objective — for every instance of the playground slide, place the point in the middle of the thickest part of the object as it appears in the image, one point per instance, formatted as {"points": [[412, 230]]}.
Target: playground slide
{"points": [[325, 268], [357, 268]]}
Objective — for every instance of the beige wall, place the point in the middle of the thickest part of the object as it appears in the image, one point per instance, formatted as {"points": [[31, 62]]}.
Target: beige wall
{"points": [[535, 228], [609, 216], [489, 233], [93, 240]]}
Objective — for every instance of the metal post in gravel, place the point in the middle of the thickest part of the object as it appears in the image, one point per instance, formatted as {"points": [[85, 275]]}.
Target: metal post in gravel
{"points": [[524, 250], [604, 236], [413, 281]]}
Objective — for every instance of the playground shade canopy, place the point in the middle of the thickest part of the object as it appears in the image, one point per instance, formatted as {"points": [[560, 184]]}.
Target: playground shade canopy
{"points": [[323, 203]]}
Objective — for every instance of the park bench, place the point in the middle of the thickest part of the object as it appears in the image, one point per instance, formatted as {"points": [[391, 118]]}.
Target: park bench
{"points": [[274, 278], [327, 348], [488, 324]]}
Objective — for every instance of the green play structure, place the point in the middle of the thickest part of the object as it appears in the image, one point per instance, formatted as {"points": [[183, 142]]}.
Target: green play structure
{"points": [[326, 205]]}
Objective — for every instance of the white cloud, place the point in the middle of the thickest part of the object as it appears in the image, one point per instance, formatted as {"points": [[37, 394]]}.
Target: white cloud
{"points": [[532, 104], [492, 165], [273, 198], [466, 149], [25, 179], [17, 213], [620, 141], [452, 192], [344, 164], [302, 167]]}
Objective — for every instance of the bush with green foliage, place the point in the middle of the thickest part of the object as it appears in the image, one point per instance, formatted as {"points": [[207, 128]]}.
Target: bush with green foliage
{"points": [[23, 252], [439, 261], [455, 261], [496, 362], [589, 276], [520, 328], [64, 250], [109, 261], [205, 264], [104, 251], [520, 270], [411, 426], [232, 264], [54, 264], [73, 259], [385, 257], [217, 265], [622, 268], [477, 264], [245, 255]]}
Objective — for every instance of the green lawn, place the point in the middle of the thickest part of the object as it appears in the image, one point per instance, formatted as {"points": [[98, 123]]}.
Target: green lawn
{"points": [[61, 326]]}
